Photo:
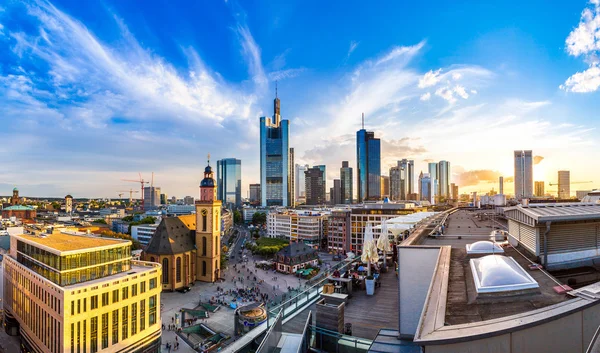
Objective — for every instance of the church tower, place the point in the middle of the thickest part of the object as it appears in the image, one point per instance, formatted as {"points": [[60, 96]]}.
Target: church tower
{"points": [[15, 198], [208, 229]]}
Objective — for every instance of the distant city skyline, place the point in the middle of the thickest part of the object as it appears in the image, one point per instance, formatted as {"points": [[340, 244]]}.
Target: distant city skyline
{"points": [[71, 75]]}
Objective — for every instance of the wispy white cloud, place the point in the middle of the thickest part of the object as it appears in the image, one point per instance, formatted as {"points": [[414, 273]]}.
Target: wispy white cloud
{"points": [[425, 96], [584, 41], [285, 74], [431, 78], [353, 46]]}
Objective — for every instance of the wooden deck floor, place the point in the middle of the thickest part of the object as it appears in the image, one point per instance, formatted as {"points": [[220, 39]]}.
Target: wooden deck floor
{"points": [[367, 314]]}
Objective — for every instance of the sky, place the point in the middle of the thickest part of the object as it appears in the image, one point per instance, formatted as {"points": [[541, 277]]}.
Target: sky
{"points": [[93, 94]]}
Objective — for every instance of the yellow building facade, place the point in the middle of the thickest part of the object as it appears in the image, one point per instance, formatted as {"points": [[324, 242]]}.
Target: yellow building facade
{"points": [[75, 293]]}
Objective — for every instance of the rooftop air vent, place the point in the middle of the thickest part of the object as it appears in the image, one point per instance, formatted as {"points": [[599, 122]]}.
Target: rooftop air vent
{"points": [[500, 274], [484, 247]]}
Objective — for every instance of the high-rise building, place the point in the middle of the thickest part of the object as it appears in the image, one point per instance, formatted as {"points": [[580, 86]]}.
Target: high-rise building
{"points": [[426, 187], [336, 192], [346, 178], [292, 179], [69, 204], [523, 174], [151, 197], [79, 293], [300, 190], [385, 186], [324, 170], [564, 184], [395, 183], [229, 182], [368, 158], [314, 180], [454, 191], [275, 174], [501, 185], [539, 188], [444, 178], [402, 180], [433, 169], [164, 199], [254, 193]]}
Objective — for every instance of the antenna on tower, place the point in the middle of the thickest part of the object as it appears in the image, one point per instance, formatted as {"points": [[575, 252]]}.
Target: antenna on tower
{"points": [[363, 121], [275, 88]]}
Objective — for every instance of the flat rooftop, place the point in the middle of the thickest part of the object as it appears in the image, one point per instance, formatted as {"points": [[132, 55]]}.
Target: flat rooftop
{"points": [[63, 242], [570, 211]]}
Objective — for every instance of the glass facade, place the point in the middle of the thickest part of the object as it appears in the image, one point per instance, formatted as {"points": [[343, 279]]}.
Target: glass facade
{"points": [[444, 178], [276, 188], [229, 182], [346, 179], [72, 269], [368, 157]]}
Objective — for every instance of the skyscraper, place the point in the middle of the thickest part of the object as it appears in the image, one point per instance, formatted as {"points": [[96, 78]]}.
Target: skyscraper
{"points": [[385, 186], [539, 189], [501, 186], [564, 184], [229, 182], [368, 158], [300, 189], [454, 191], [444, 178], [151, 197], [434, 180], [402, 180], [523, 174], [426, 187], [336, 192], [324, 170], [254, 193], [292, 179], [346, 187], [276, 186], [314, 180]]}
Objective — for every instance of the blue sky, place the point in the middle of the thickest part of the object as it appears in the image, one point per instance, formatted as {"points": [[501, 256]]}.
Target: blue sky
{"points": [[92, 94]]}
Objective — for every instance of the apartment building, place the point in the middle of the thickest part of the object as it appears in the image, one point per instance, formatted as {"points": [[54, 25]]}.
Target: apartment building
{"points": [[307, 226]]}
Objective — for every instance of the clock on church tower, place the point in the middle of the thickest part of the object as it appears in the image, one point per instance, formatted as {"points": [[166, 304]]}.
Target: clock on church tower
{"points": [[208, 230]]}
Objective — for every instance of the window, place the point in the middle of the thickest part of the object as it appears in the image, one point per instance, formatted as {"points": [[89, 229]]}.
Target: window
{"points": [[124, 323], [78, 306], [115, 296], [94, 302], [94, 335], [104, 331], [84, 305], [203, 268], [203, 246], [115, 326], [142, 315], [216, 245], [72, 307], [143, 287], [204, 220], [152, 311], [125, 294], [165, 269], [133, 319], [152, 283], [134, 290], [105, 299], [178, 270], [72, 338]]}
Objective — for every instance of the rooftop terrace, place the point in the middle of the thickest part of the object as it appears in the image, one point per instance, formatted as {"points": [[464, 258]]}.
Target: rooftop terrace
{"points": [[68, 242]]}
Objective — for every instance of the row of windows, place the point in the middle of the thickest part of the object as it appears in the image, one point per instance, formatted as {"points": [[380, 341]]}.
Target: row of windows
{"points": [[71, 262], [80, 305], [124, 322]]}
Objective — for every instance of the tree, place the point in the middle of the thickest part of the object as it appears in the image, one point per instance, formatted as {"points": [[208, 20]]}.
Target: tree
{"points": [[259, 218], [56, 205], [127, 219], [100, 221], [237, 217]]}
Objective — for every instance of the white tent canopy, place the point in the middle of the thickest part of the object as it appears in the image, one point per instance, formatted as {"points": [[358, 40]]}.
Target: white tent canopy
{"points": [[411, 218]]}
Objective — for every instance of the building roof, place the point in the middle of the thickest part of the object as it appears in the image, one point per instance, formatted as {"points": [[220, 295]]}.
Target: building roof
{"points": [[294, 251], [543, 212], [18, 208], [5, 242], [63, 242], [173, 236]]}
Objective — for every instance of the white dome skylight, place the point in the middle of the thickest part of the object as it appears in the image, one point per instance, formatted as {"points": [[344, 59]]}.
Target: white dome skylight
{"points": [[496, 273], [484, 247]]}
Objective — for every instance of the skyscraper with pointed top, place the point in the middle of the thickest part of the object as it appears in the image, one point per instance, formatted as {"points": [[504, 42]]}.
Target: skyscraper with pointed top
{"points": [[368, 159], [276, 159]]}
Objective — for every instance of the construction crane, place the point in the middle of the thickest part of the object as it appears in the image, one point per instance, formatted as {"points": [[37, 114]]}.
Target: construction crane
{"points": [[131, 192], [142, 182], [573, 182]]}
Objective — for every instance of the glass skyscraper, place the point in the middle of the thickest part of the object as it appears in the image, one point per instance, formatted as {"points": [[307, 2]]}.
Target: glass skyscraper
{"points": [[434, 178], [346, 187], [523, 174], [229, 182], [368, 157], [275, 160], [444, 178]]}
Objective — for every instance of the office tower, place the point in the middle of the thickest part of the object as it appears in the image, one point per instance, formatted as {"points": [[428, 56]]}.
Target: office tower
{"points": [[229, 182], [523, 174], [69, 204], [314, 180], [501, 186], [455, 191], [539, 188], [402, 180], [324, 170], [434, 180], [78, 293], [426, 188], [564, 184], [151, 197], [368, 158], [346, 178], [385, 186], [336, 192], [395, 183], [292, 179], [164, 199], [444, 178], [300, 189], [254, 193], [276, 186], [420, 185]]}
